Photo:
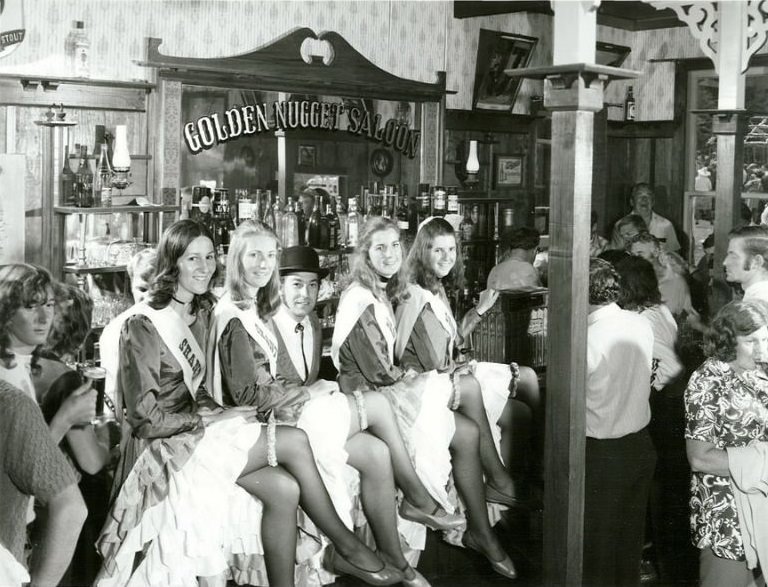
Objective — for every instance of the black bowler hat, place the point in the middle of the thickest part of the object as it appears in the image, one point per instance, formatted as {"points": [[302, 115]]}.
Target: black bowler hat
{"points": [[301, 259]]}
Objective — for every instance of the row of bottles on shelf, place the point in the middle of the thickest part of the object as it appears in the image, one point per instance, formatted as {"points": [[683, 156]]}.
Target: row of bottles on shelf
{"points": [[85, 188], [323, 222]]}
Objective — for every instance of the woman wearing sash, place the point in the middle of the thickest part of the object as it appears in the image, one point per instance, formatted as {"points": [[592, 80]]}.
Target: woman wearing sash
{"points": [[244, 373], [439, 440], [428, 335], [190, 470]]}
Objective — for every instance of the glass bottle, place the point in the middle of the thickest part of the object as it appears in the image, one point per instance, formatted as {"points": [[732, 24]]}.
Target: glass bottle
{"points": [[438, 201], [67, 182], [467, 227], [403, 216], [341, 217], [314, 237], [334, 228], [81, 51], [353, 223], [84, 179], [269, 215], [325, 230], [277, 212], [629, 105], [102, 184], [452, 195], [289, 225], [244, 206]]}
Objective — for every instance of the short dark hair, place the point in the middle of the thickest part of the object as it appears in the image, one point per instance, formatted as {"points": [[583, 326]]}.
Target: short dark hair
{"points": [[643, 187], [524, 237], [603, 282], [739, 318], [635, 220], [754, 241], [639, 284]]}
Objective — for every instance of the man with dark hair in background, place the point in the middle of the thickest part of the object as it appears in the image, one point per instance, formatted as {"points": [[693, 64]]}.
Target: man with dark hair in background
{"points": [[746, 261], [620, 458], [516, 272]]}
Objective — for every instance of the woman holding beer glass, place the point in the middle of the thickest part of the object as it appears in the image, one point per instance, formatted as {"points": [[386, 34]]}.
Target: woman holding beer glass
{"points": [[191, 469], [441, 441]]}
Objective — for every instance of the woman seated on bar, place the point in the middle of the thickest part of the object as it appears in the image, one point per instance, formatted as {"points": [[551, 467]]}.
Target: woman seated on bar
{"points": [[726, 406], [190, 470], [439, 440], [244, 371], [428, 336]]}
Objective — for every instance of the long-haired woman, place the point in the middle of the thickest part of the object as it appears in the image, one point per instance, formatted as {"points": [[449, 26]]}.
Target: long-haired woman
{"points": [[244, 374], [440, 440], [428, 335], [189, 469]]}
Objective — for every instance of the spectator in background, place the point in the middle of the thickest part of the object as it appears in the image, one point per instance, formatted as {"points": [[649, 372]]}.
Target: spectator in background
{"points": [[597, 244], [625, 228], [746, 261], [620, 458], [32, 466], [642, 200], [702, 183], [516, 272]]}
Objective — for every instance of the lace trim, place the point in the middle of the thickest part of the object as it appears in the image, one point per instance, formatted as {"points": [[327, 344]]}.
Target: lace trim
{"points": [[362, 415], [272, 440], [515, 368], [456, 398]]}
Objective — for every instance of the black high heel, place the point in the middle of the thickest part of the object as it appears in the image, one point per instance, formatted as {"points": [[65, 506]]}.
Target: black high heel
{"points": [[386, 575]]}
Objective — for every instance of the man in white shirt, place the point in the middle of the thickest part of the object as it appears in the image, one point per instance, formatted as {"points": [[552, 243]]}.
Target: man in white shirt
{"points": [[642, 204], [297, 328], [620, 458], [746, 261]]}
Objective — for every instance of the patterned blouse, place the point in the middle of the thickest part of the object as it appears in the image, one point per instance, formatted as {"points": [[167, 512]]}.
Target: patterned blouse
{"points": [[727, 410]]}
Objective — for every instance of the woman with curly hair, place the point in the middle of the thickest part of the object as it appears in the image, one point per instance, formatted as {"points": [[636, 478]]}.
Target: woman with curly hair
{"points": [[440, 440], [428, 336], [191, 470], [726, 408], [244, 371]]}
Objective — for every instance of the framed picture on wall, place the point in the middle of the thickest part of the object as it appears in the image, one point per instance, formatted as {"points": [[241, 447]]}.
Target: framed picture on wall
{"points": [[508, 170], [497, 52], [307, 156]]}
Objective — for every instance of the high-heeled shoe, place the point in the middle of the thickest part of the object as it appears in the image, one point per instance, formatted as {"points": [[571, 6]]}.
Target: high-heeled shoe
{"points": [[439, 519], [386, 575], [505, 567], [418, 580]]}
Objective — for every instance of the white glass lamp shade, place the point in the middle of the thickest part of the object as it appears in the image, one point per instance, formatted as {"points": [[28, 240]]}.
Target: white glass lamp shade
{"points": [[121, 158], [473, 164]]}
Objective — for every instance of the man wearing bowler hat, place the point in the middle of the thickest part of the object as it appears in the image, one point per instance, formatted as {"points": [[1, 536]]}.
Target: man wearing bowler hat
{"points": [[297, 328]]}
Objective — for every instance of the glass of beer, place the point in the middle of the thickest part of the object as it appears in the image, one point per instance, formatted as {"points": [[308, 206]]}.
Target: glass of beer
{"points": [[97, 376]]}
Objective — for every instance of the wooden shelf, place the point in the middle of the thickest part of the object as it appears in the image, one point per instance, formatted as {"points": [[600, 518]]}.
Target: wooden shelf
{"points": [[78, 270], [115, 209]]}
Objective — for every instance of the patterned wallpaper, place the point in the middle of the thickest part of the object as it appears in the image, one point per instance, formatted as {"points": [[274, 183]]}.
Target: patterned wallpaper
{"points": [[409, 38]]}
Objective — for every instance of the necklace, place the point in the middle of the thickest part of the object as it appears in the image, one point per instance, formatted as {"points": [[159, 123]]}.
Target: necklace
{"points": [[178, 301]]}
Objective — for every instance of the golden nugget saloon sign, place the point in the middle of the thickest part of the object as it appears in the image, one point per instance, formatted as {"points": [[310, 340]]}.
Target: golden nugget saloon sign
{"points": [[12, 29], [242, 121]]}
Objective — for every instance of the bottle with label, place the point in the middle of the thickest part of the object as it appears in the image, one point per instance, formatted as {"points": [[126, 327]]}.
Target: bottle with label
{"points": [[67, 182], [289, 225], [467, 227], [629, 105], [102, 184], [244, 206], [81, 48], [201, 203], [353, 223], [313, 226], [325, 230], [438, 201], [453, 200], [84, 179], [423, 203], [269, 215], [334, 228], [341, 217], [403, 216]]}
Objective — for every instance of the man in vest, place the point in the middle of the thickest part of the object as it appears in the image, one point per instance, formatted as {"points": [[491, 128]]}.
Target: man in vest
{"points": [[297, 328]]}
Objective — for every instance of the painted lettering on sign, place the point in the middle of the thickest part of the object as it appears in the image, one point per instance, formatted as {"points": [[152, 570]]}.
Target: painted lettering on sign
{"points": [[242, 121], [12, 31]]}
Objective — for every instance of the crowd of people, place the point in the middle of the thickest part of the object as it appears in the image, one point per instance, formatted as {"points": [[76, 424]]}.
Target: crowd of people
{"points": [[235, 461]]}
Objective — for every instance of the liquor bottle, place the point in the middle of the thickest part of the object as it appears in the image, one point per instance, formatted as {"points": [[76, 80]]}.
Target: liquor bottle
{"points": [[102, 184], [314, 237], [201, 203], [84, 179], [244, 206], [81, 51], [301, 222], [341, 217], [438, 201], [269, 215], [67, 182], [334, 228], [277, 212], [467, 227], [452, 195], [353, 223], [325, 230], [256, 206], [403, 216], [629, 105], [290, 225], [424, 203]]}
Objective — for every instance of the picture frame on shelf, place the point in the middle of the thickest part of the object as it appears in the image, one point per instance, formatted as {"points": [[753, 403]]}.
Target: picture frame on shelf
{"points": [[509, 170], [307, 156], [496, 52]]}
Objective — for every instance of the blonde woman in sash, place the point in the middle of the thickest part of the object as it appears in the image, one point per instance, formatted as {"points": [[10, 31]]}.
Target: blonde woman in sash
{"points": [[440, 440], [428, 334], [245, 369], [185, 510]]}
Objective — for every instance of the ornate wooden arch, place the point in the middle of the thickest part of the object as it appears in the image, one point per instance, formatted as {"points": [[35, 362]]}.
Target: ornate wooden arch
{"points": [[285, 65]]}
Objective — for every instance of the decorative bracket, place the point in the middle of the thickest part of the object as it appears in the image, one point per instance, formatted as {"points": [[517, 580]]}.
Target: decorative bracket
{"points": [[703, 19]]}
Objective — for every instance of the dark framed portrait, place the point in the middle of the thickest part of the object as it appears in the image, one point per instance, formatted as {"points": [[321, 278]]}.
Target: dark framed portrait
{"points": [[497, 52], [307, 156], [382, 162]]}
